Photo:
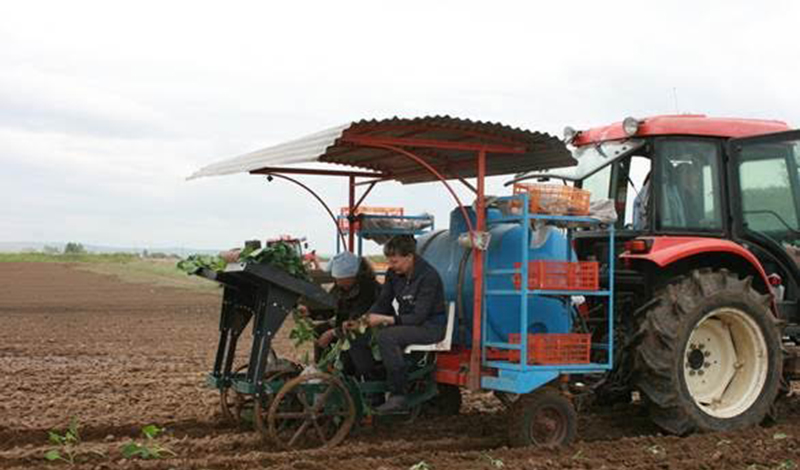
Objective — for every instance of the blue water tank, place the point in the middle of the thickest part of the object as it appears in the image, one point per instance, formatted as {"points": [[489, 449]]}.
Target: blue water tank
{"points": [[454, 264]]}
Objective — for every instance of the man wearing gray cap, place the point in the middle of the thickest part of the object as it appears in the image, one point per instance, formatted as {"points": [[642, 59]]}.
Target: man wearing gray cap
{"points": [[355, 290]]}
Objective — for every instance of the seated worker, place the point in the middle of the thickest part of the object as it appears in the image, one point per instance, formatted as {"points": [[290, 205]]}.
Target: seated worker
{"points": [[421, 319], [355, 290]]}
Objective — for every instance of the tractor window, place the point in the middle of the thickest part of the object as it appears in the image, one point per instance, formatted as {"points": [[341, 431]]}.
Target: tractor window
{"points": [[638, 193], [598, 184], [689, 195], [765, 179]]}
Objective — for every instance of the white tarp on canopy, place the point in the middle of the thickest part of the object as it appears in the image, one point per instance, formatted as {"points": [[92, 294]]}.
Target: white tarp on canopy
{"points": [[303, 150]]}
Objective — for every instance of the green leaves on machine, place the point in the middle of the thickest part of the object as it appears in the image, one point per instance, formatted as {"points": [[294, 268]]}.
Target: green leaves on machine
{"points": [[279, 254], [195, 263]]}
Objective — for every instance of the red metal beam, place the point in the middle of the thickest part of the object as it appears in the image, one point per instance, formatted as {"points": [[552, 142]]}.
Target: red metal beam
{"points": [[351, 235], [364, 196], [431, 143], [474, 381], [313, 171], [468, 185]]}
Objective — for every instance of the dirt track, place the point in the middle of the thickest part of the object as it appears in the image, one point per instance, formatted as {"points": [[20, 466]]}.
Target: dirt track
{"points": [[120, 356]]}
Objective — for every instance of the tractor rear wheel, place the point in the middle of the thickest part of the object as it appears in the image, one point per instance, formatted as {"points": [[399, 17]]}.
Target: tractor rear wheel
{"points": [[708, 354]]}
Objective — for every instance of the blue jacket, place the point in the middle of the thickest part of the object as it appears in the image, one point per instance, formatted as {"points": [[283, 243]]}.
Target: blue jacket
{"points": [[420, 296]]}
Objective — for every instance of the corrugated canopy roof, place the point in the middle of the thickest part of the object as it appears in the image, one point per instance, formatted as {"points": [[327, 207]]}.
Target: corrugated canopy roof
{"points": [[450, 145]]}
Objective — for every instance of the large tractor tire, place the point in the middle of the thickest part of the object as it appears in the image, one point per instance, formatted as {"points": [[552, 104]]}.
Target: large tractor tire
{"points": [[708, 354]]}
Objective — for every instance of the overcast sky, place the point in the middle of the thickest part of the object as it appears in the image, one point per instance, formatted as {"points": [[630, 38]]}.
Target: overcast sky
{"points": [[106, 108]]}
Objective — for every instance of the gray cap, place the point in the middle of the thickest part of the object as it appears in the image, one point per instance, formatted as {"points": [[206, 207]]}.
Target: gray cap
{"points": [[343, 265]]}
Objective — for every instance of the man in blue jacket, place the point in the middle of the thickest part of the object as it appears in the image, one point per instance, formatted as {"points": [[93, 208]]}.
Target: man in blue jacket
{"points": [[420, 319]]}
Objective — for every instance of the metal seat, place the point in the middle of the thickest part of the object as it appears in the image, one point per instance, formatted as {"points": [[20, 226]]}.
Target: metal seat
{"points": [[443, 345]]}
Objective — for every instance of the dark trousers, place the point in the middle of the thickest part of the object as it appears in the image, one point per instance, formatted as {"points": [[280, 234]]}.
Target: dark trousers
{"points": [[358, 359], [393, 340]]}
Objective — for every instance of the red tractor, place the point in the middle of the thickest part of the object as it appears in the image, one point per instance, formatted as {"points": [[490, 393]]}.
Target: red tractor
{"points": [[707, 282]]}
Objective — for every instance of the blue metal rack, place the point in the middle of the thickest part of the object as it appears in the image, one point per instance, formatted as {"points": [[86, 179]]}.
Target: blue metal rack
{"points": [[523, 377]]}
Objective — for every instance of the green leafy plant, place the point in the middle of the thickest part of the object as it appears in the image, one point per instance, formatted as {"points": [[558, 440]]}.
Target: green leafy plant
{"points": [[150, 448], [195, 263], [279, 254], [67, 443], [349, 332], [303, 331]]}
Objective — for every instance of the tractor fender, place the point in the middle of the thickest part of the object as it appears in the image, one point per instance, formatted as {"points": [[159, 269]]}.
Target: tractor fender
{"points": [[667, 250]]}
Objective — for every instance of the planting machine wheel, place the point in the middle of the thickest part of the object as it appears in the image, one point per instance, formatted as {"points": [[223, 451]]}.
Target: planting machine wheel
{"points": [[542, 418], [709, 354], [311, 411], [261, 410], [233, 403], [236, 407]]}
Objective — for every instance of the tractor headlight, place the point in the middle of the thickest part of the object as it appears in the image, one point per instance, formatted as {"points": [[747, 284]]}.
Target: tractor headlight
{"points": [[631, 126]]}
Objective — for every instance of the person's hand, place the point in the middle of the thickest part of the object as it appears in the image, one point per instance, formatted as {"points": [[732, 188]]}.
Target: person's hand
{"points": [[326, 338], [374, 319]]}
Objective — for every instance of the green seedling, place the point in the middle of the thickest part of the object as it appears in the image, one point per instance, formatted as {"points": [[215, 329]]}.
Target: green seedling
{"points": [[149, 449], [779, 436], [422, 465], [67, 444], [657, 450], [496, 463]]}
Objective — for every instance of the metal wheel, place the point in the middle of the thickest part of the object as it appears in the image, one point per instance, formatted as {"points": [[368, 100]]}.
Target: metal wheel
{"points": [[261, 410], [543, 418], [311, 411], [232, 403], [726, 363]]}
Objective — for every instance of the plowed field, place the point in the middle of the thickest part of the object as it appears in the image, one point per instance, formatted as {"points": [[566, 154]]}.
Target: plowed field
{"points": [[119, 356]]}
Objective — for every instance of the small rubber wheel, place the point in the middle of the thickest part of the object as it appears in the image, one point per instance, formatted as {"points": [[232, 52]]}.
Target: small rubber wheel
{"points": [[544, 418]]}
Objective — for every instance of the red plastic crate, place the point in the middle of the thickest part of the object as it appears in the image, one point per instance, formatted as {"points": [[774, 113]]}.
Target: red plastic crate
{"points": [[554, 348], [560, 275], [553, 199]]}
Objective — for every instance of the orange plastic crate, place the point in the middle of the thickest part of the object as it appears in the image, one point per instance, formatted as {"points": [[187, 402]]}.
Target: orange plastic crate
{"points": [[560, 275], [553, 199], [554, 348]]}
